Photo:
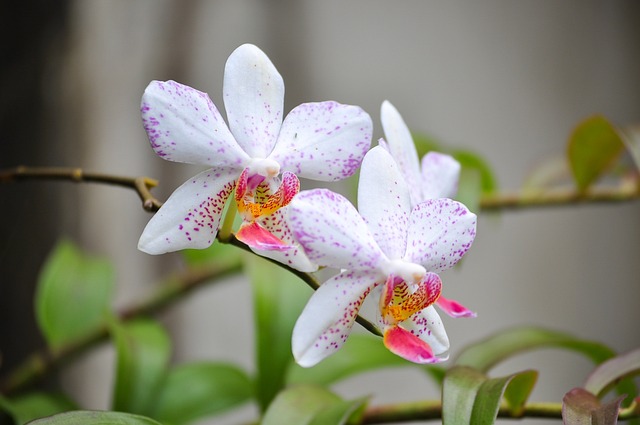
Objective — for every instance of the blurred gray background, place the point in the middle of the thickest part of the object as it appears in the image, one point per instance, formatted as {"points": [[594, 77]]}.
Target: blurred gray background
{"points": [[506, 79]]}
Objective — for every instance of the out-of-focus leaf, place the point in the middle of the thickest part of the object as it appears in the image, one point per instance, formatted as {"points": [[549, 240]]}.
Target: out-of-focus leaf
{"points": [[425, 144], [196, 390], [469, 397], [73, 294], [35, 405], [580, 407], [279, 297], [143, 351], [631, 139], [361, 353], [552, 171], [472, 161], [87, 417], [488, 352], [470, 188], [593, 147], [221, 254], [307, 405], [613, 370]]}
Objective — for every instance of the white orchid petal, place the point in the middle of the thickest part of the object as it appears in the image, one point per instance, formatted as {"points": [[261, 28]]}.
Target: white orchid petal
{"points": [[326, 321], [183, 125], [401, 146], [428, 326], [254, 99], [332, 232], [440, 233], [323, 141], [294, 257], [384, 202], [440, 175], [191, 215]]}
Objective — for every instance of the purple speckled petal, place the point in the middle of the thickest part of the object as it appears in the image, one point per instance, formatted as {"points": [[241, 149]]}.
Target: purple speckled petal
{"points": [[384, 202], [323, 141], [440, 175], [332, 232], [191, 215], [440, 233], [294, 257], [183, 125], [254, 99], [326, 321], [400, 144], [428, 326]]}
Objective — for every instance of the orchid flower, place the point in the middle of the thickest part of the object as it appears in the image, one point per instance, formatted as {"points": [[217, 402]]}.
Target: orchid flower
{"points": [[257, 154], [389, 248], [438, 177]]}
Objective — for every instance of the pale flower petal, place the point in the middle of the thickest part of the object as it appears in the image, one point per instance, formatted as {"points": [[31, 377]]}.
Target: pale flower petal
{"points": [[323, 141], [332, 232], [400, 144], [440, 175], [427, 325], [326, 321], [254, 100], [191, 215], [294, 257], [183, 125], [440, 233], [384, 202]]}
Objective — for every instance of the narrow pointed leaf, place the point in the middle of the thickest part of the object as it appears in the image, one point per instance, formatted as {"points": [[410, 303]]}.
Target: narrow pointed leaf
{"points": [[196, 390], [487, 401], [35, 405], [519, 389], [279, 297], [460, 388], [580, 407], [361, 353], [593, 147], [491, 351], [87, 417], [143, 351], [73, 294]]}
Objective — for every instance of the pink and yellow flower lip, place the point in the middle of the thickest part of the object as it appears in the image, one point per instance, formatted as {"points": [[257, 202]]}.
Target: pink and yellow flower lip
{"points": [[398, 303]]}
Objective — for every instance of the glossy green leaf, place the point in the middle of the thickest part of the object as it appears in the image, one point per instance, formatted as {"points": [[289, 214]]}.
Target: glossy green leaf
{"points": [[31, 406], [143, 351], [73, 294], [196, 390], [309, 405], [470, 397], [580, 407], [612, 371], [460, 387], [593, 147], [361, 353], [87, 417], [491, 351], [279, 297]]}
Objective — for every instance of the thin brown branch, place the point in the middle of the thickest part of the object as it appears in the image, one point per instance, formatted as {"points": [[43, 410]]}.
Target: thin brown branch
{"points": [[141, 185]]}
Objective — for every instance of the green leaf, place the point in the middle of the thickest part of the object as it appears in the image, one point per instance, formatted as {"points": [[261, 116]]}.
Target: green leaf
{"points": [[552, 171], [279, 297], [73, 295], [593, 147], [473, 161], [425, 144], [35, 405], [361, 353], [469, 397], [613, 370], [221, 254], [470, 188], [489, 352], [86, 417], [310, 405], [196, 390], [580, 407], [631, 139], [143, 351]]}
